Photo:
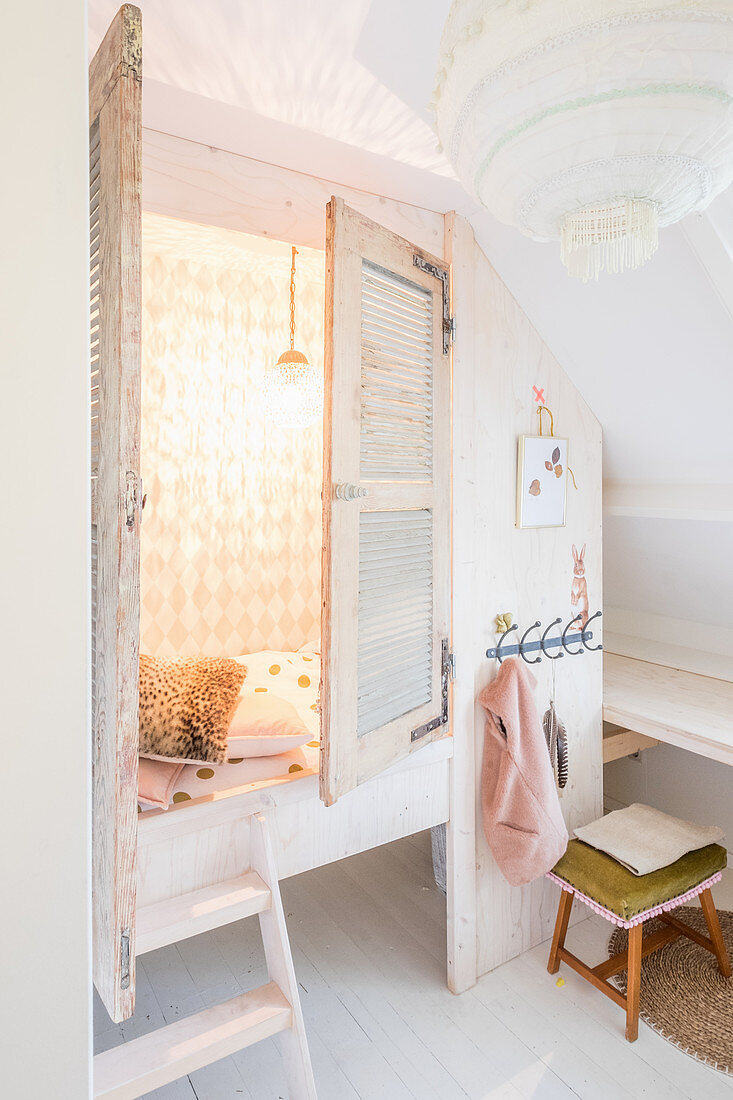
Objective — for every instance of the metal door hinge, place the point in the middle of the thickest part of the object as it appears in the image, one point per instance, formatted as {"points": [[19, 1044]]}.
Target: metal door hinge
{"points": [[443, 275], [125, 959], [447, 675]]}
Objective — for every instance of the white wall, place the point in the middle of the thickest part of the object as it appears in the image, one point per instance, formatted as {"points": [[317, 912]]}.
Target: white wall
{"points": [[678, 569], [669, 599], [44, 811], [676, 781]]}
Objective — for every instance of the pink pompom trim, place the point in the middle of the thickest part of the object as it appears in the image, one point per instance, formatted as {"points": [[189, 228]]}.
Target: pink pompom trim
{"points": [[614, 918]]}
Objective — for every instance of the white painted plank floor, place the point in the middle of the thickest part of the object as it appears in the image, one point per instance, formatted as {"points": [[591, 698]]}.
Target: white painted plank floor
{"points": [[368, 939]]}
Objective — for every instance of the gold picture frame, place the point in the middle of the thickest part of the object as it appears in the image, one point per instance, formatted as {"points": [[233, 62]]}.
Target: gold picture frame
{"points": [[542, 481]]}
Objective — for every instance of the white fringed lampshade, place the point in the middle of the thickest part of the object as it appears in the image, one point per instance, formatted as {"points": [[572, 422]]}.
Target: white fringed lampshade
{"points": [[594, 122], [293, 391]]}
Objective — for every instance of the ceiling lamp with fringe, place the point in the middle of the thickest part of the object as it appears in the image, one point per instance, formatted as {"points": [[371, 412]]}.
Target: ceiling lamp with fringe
{"points": [[293, 386], [591, 122]]}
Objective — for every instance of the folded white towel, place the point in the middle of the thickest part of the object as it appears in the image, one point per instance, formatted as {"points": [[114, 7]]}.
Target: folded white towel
{"points": [[644, 839]]}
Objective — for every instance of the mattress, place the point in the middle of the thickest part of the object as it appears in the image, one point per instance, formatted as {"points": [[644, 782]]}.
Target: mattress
{"points": [[292, 676]]}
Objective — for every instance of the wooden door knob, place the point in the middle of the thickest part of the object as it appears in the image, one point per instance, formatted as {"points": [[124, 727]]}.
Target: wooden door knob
{"points": [[345, 491]]}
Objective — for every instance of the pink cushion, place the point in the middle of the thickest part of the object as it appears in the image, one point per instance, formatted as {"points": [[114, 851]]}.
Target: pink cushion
{"points": [[155, 782], [264, 724]]}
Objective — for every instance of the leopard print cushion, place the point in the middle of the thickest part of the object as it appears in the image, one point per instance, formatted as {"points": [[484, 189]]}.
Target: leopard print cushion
{"points": [[186, 706]]}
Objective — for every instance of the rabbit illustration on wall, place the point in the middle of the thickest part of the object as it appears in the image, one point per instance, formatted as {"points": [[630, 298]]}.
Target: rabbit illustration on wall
{"points": [[579, 591]]}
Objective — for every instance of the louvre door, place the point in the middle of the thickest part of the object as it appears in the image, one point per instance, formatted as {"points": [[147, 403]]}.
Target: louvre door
{"points": [[386, 501], [115, 219]]}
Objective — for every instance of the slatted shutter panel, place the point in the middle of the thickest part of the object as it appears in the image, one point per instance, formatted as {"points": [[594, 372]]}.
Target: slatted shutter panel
{"points": [[115, 221], [386, 496]]}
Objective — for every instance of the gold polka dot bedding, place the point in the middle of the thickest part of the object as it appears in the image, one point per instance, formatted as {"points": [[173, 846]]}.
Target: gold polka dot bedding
{"points": [[274, 730]]}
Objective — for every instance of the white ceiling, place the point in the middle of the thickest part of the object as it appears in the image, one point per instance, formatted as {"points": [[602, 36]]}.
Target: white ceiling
{"points": [[321, 66], [341, 90]]}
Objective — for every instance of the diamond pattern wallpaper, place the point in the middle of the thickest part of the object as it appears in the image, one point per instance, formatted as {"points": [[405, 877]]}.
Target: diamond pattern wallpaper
{"points": [[231, 531]]}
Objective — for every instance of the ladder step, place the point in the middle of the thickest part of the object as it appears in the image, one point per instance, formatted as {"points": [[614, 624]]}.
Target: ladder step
{"points": [[128, 1071], [189, 914]]}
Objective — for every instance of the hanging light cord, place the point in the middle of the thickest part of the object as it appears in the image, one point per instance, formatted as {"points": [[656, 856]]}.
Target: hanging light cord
{"points": [[292, 300]]}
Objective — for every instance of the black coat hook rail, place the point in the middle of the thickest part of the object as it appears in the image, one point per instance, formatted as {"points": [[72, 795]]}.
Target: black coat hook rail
{"points": [[542, 645]]}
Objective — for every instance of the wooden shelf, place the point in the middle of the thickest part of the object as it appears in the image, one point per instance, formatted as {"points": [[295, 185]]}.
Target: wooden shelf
{"points": [[680, 708], [619, 742], [153, 1060], [178, 918]]}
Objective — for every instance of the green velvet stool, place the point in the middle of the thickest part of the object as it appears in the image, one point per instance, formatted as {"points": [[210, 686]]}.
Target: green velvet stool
{"points": [[629, 900]]}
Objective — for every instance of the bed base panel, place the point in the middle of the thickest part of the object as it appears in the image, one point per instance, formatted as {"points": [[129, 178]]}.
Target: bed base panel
{"points": [[204, 845]]}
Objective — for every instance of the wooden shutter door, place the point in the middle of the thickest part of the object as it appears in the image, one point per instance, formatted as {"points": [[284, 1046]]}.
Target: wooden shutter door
{"points": [[386, 570], [115, 219]]}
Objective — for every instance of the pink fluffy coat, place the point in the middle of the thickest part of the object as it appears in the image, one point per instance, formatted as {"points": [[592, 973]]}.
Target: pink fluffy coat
{"points": [[523, 823]]}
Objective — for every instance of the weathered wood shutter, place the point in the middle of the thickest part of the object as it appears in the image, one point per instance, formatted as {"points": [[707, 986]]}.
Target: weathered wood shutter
{"points": [[386, 568], [115, 221]]}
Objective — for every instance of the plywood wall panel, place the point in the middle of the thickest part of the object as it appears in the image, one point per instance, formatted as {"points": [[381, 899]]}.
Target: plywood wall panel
{"points": [[214, 187], [527, 572]]}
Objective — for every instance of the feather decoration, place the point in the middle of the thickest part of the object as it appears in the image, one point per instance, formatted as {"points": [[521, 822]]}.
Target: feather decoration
{"points": [[557, 744], [562, 756]]}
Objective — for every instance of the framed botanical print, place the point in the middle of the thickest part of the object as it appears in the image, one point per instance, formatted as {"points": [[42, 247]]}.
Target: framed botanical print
{"points": [[542, 481]]}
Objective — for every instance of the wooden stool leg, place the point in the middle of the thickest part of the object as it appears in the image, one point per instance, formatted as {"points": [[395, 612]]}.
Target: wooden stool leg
{"points": [[716, 935], [561, 928], [633, 982]]}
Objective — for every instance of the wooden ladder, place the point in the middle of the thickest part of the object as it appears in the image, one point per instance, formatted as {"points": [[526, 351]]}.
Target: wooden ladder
{"points": [[128, 1071]]}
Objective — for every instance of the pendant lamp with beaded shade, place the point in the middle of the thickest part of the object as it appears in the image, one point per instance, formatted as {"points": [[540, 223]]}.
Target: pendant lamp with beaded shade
{"points": [[293, 386], [591, 122]]}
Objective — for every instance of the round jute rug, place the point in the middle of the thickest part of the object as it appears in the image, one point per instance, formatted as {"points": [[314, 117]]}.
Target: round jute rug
{"points": [[684, 996]]}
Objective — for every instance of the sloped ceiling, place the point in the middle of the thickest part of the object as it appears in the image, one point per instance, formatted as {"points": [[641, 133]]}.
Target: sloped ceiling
{"points": [[651, 351], [313, 64], [341, 91]]}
